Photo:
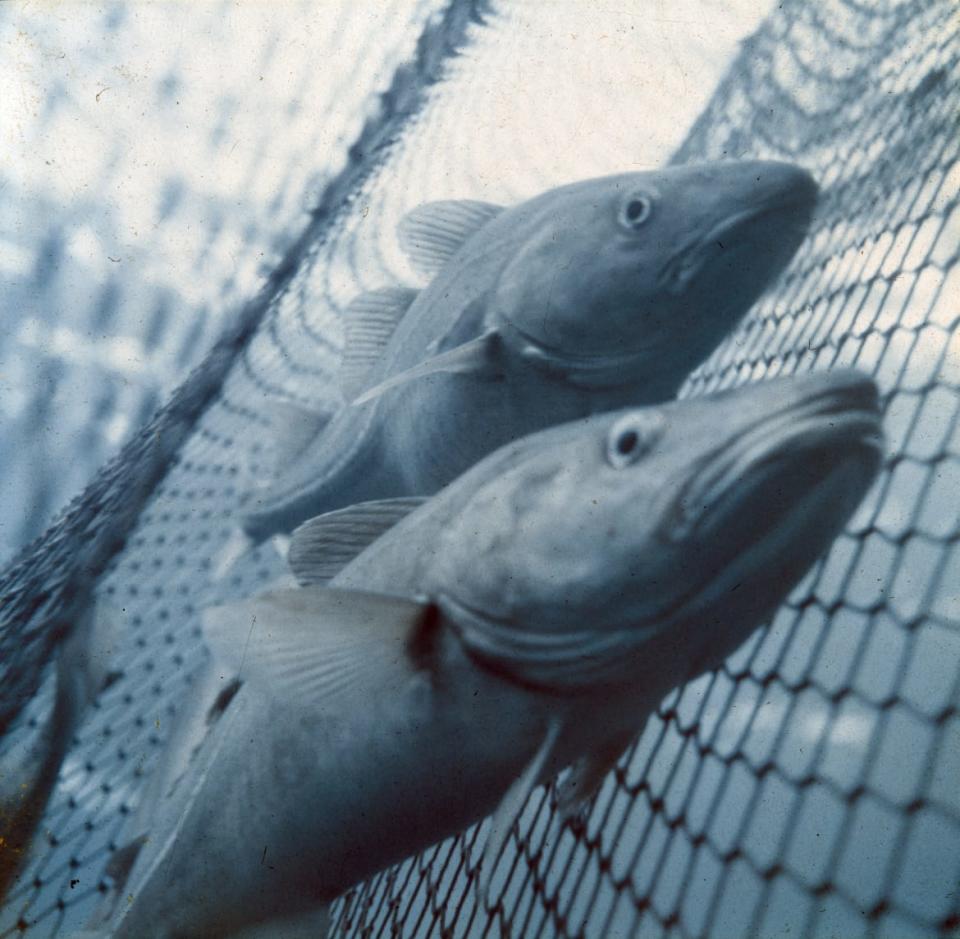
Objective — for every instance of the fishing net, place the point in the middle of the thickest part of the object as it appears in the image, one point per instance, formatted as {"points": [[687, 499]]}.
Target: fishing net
{"points": [[810, 785]]}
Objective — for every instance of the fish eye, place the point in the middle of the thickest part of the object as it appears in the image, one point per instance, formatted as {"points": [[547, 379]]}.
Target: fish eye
{"points": [[633, 436], [636, 210]]}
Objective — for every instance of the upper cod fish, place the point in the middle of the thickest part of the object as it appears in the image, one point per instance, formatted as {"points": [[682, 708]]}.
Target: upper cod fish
{"points": [[527, 618], [593, 296]]}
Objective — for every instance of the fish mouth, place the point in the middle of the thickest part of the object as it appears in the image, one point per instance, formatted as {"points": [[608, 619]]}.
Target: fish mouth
{"points": [[757, 510], [830, 428], [774, 227], [767, 503]]}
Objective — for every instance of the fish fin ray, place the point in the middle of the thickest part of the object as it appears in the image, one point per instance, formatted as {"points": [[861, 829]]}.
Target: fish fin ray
{"points": [[321, 547], [477, 358], [512, 804], [433, 232], [369, 323], [294, 426], [315, 645]]}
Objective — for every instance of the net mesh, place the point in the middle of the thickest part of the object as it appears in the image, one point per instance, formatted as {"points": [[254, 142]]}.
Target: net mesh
{"points": [[810, 785], [159, 162]]}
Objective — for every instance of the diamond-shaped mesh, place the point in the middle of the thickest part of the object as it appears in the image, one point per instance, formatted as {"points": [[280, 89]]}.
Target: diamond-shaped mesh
{"points": [[809, 787]]}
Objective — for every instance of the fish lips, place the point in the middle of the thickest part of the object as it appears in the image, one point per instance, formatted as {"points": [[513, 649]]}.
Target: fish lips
{"points": [[840, 423]]}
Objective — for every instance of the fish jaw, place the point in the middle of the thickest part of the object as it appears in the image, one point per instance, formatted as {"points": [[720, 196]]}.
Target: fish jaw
{"points": [[777, 495], [716, 508], [640, 371], [714, 280]]}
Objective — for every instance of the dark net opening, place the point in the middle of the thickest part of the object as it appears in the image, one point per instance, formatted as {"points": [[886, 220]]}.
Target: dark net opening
{"points": [[808, 787]]}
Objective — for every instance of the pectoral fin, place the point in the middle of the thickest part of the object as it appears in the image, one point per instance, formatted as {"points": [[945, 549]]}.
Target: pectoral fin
{"points": [[323, 546], [294, 426], [479, 358], [369, 322], [512, 805], [586, 776], [433, 232], [317, 647]]}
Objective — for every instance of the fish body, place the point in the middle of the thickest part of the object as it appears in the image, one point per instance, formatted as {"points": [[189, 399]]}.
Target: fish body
{"points": [[528, 617], [593, 296]]}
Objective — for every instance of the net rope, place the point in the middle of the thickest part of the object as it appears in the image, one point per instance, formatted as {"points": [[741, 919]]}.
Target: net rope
{"points": [[810, 785]]}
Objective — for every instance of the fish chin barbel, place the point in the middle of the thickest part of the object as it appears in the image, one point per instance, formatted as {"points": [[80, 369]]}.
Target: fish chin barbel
{"points": [[445, 656]]}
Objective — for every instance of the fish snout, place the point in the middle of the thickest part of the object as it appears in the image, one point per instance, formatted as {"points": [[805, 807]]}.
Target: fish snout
{"points": [[750, 219], [771, 184]]}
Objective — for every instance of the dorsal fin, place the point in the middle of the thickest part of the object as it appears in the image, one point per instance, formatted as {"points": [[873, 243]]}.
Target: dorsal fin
{"points": [[323, 546], [293, 427], [433, 232], [315, 647], [369, 322]]}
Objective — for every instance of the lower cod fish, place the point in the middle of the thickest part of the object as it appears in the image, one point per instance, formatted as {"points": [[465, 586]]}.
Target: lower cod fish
{"points": [[529, 617], [589, 297]]}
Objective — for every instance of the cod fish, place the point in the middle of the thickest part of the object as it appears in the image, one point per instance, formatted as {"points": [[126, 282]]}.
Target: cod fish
{"points": [[527, 618], [30, 758], [590, 297]]}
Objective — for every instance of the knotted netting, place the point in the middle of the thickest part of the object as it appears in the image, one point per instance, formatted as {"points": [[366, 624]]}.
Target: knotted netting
{"points": [[810, 786]]}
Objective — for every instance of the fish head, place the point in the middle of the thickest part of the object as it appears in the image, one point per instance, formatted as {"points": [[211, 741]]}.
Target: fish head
{"points": [[690, 521], [638, 277]]}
